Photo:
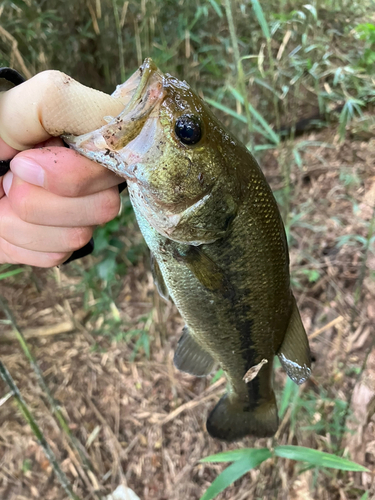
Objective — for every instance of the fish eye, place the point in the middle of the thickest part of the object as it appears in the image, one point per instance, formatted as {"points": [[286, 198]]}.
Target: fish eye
{"points": [[188, 129]]}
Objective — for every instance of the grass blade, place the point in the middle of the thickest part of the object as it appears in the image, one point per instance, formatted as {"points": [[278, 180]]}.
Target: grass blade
{"points": [[233, 113], [234, 455], [235, 471], [8, 274], [317, 458], [267, 128], [26, 413], [261, 19], [289, 392], [226, 110], [216, 8], [218, 374]]}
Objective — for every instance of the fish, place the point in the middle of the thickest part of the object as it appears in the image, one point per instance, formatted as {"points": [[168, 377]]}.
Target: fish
{"points": [[217, 242]]}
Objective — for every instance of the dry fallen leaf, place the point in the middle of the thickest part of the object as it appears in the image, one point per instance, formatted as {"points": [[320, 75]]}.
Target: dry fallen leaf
{"points": [[253, 371]]}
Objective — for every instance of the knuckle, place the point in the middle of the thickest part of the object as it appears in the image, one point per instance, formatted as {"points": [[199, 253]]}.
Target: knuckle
{"points": [[50, 78], [8, 252], [73, 191], [109, 206], [74, 188], [56, 259], [77, 237], [21, 205], [19, 198]]}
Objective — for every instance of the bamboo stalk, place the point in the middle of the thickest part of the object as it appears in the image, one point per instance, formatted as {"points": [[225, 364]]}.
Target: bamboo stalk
{"points": [[240, 71], [120, 42], [55, 408], [64, 481]]}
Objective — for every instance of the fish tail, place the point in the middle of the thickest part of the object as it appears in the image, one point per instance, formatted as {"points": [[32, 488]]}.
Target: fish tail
{"points": [[232, 418]]}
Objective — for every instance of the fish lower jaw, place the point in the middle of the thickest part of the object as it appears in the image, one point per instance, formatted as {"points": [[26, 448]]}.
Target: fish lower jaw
{"points": [[91, 144]]}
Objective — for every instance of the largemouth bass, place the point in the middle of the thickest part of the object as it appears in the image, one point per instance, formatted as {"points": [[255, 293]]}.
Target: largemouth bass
{"points": [[217, 242]]}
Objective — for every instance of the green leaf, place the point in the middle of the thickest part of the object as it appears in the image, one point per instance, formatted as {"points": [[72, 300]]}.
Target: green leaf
{"points": [[234, 455], [297, 157], [218, 374], [264, 84], [261, 19], [235, 471], [8, 274], [312, 274], [233, 113], [289, 392], [312, 10], [257, 116], [216, 8], [317, 458], [261, 147], [107, 267], [226, 110]]}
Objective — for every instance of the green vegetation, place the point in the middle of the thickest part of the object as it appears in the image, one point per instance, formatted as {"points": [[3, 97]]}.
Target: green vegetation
{"points": [[262, 66], [246, 459]]}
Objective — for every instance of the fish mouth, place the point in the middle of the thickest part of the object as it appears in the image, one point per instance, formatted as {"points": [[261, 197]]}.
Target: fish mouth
{"points": [[141, 94], [133, 90]]}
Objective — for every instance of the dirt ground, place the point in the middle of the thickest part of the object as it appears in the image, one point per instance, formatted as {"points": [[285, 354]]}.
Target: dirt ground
{"points": [[142, 423]]}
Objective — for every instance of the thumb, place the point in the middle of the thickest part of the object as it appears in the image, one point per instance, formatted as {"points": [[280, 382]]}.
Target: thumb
{"points": [[50, 104]]}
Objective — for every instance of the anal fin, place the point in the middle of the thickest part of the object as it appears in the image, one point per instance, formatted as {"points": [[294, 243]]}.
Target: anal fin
{"points": [[191, 358], [294, 353]]}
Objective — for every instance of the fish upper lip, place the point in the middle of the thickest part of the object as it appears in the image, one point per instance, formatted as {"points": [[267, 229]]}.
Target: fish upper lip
{"points": [[146, 90], [147, 71], [149, 92]]}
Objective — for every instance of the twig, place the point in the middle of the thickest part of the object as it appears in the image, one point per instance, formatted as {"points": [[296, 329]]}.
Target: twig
{"points": [[357, 296], [334, 322], [349, 400], [10, 38], [55, 408], [362, 271], [117, 453], [6, 376], [46, 331], [195, 402]]}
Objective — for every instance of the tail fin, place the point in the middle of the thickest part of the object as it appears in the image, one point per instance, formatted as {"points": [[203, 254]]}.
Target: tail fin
{"points": [[231, 420]]}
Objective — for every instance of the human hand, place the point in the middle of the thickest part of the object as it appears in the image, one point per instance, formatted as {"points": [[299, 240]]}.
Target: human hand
{"points": [[52, 198]]}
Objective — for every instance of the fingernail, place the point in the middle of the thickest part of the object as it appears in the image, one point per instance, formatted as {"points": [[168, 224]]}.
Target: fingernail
{"points": [[7, 182], [28, 170]]}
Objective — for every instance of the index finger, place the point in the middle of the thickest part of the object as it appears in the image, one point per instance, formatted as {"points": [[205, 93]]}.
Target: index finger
{"points": [[51, 104]]}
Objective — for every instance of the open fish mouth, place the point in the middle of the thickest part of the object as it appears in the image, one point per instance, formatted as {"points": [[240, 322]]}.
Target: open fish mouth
{"points": [[141, 94]]}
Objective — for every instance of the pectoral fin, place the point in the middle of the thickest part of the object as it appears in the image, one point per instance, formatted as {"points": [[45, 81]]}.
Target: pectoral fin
{"points": [[191, 357], [206, 271], [207, 220], [158, 279], [294, 353]]}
